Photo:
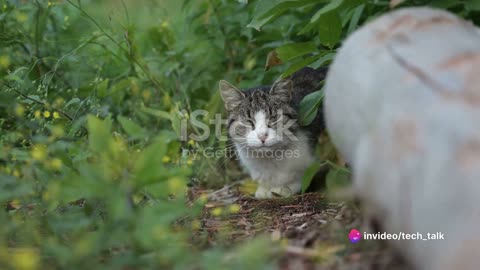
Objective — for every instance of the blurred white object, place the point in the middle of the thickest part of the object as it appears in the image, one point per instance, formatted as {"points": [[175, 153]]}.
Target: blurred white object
{"points": [[402, 105]]}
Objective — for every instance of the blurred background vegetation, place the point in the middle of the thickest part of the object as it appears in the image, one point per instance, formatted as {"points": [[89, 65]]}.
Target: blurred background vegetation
{"points": [[93, 173]]}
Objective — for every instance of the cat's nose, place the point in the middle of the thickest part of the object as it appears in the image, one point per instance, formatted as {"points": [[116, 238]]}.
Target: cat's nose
{"points": [[262, 137]]}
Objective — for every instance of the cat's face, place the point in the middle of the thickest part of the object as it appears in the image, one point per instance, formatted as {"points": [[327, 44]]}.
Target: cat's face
{"points": [[260, 118]]}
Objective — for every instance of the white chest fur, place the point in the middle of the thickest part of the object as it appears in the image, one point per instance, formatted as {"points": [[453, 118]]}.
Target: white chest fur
{"points": [[278, 170]]}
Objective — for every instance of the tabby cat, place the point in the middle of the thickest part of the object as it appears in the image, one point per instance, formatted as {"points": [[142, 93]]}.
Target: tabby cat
{"points": [[263, 125]]}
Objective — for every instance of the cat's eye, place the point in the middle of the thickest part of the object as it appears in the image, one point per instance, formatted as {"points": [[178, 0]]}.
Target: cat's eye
{"points": [[251, 123], [273, 120]]}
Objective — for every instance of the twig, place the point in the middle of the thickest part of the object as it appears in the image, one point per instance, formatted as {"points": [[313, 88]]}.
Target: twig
{"points": [[131, 57], [225, 188], [125, 9], [66, 115], [307, 252], [228, 46]]}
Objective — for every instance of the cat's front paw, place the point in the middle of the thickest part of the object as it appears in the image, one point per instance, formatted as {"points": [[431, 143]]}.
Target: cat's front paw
{"points": [[267, 193], [281, 191], [263, 193]]}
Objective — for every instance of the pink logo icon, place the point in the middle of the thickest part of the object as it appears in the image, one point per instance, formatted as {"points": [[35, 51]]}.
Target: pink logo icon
{"points": [[354, 236]]}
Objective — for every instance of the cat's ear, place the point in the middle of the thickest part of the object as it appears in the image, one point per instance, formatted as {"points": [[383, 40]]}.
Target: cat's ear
{"points": [[231, 95], [282, 90]]}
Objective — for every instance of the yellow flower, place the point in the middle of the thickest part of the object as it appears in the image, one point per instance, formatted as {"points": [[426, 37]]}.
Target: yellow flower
{"points": [[134, 88], [57, 131], [4, 61], [166, 159], [21, 17], [37, 114], [249, 63], [118, 147], [217, 211], [159, 232], [58, 102], [189, 162], [39, 152], [46, 114], [175, 185], [56, 164], [56, 115], [15, 203], [25, 259], [191, 142], [234, 208], [137, 198], [19, 110], [196, 225], [203, 199], [146, 95], [167, 101]]}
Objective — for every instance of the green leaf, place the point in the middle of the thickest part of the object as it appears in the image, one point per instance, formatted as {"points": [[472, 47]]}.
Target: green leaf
{"points": [[102, 88], [267, 10], [290, 51], [118, 90], [33, 97], [473, 5], [330, 28], [326, 9], [309, 174], [325, 59], [338, 177], [72, 101], [178, 119], [149, 167], [357, 13], [3, 152], [131, 128], [298, 65], [444, 3], [309, 107], [333, 6], [157, 113], [99, 133]]}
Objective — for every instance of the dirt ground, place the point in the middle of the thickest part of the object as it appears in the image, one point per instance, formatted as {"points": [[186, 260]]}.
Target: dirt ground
{"points": [[310, 229]]}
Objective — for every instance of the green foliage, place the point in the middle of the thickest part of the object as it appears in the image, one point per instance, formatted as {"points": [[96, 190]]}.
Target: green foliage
{"points": [[337, 178], [321, 25], [95, 94], [291, 51], [91, 166], [309, 174], [309, 107]]}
